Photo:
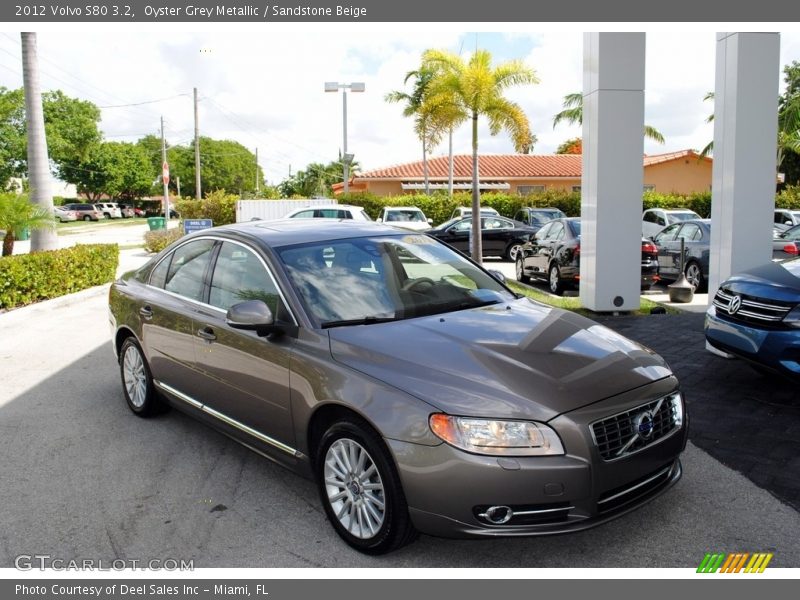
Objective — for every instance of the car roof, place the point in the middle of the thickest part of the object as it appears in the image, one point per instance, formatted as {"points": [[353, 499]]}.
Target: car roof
{"points": [[402, 208], [330, 206], [288, 232]]}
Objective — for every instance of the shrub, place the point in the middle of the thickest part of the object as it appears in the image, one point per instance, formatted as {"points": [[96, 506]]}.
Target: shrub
{"points": [[157, 240], [28, 278], [218, 206], [788, 198]]}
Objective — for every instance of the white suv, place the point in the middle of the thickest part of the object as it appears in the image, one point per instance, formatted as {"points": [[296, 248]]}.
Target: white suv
{"points": [[655, 219], [110, 210], [333, 211], [406, 217]]}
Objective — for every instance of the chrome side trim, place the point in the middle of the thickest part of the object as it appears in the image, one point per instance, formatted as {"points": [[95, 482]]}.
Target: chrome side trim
{"points": [[179, 395], [638, 485], [228, 420]]}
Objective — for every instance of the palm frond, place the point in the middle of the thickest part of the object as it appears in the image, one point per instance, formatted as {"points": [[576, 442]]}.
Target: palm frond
{"points": [[653, 134]]}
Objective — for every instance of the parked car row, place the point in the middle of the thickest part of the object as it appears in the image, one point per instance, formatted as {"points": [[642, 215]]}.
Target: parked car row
{"points": [[84, 211], [553, 255]]}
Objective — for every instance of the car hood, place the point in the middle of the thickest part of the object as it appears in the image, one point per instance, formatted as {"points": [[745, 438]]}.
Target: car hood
{"points": [[773, 280], [520, 360]]}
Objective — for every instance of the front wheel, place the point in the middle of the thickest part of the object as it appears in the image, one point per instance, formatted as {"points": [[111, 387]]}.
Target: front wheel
{"points": [[360, 489], [87, 218], [519, 268], [554, 280]]}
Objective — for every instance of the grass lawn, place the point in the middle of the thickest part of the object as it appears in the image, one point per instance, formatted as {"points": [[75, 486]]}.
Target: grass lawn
{"points": [[71, 227], [574, 303]]}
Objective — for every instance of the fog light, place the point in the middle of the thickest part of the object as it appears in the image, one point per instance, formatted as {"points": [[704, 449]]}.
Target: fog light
{"points": [[497, 514]]}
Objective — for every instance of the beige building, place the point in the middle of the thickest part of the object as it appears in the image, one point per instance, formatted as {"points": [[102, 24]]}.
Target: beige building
{"points": [[680, 172]]}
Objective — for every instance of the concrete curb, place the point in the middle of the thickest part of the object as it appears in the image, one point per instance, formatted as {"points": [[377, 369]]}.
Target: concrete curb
{"points": [[30, 310]]}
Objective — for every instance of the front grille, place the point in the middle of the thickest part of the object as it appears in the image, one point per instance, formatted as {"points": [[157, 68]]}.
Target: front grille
{"points": [[633, 430], [635, 490], [752, 310]]}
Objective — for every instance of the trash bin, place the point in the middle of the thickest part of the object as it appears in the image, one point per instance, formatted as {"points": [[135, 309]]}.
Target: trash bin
{"points": [[22, 235], [156, 223]]}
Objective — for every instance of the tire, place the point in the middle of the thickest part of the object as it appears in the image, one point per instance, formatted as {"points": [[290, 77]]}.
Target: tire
{"points": [[520, 271], [137, 382], [694, 274], [513, 250], [87, 218], [554, 280], [380, 522]]}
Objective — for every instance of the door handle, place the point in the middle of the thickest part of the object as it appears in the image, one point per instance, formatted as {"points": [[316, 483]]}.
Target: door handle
{"points": [[146, 312], [207, 333]]}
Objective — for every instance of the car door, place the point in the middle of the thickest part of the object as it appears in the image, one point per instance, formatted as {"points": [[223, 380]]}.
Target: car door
{"points": [[695, 245], [175, 289], [457, 235], [538, 259], [246, 376], [668, 250], [495, 233]]}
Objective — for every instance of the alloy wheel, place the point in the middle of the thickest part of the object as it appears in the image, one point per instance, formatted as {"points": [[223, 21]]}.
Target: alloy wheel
{"points": [[354, 488], [134, 376]]}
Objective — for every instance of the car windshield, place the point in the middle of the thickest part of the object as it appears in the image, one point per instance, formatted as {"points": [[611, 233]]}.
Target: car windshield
{"points": [[404, 216], [681, 216], [386, 278]]}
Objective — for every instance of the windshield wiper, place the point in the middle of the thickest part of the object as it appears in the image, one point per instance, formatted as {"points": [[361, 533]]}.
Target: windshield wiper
{"points": [[360, 321]]}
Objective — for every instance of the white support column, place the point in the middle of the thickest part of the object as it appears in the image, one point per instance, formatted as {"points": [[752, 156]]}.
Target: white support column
{"points": [[745, 138], [611, 186]]}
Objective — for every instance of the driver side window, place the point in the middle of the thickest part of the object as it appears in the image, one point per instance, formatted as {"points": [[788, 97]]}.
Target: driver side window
{"points": [[668, 234]]}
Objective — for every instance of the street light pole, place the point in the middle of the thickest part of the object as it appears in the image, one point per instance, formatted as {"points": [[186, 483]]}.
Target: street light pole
{"points": [[335, 86]]}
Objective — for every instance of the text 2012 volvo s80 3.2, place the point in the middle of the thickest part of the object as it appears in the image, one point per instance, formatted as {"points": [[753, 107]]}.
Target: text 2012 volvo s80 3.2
{"points": [[419, 392]]}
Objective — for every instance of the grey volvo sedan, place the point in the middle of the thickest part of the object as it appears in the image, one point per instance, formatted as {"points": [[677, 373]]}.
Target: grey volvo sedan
{"points": [[419, 392]]}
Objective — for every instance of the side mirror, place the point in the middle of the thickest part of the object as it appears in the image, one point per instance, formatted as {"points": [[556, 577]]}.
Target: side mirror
{"points": [[379, 220], [430, 221], [497, 275], [252, 315]]}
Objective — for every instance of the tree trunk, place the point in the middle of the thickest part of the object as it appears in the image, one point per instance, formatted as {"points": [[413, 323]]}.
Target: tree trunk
{"points": [[38, 162], [450, 166], [8, 243], [425, 165], [477, 246]]}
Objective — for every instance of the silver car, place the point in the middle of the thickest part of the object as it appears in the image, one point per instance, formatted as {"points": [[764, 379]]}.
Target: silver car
{"points": [[419, 392]]}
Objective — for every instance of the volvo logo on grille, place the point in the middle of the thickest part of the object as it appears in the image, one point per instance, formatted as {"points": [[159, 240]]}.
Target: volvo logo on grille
{"points": [[735, 305], [644, 425]]}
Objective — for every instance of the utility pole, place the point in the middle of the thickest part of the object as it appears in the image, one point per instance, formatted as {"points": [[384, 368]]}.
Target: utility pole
{"points": [[178, 185], [197, 193], [38, 163], [164, 176], [257, 172]]}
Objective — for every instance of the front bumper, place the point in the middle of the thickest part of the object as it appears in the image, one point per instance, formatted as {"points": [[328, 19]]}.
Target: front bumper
{"points": [[448, 491], [777, 349]]}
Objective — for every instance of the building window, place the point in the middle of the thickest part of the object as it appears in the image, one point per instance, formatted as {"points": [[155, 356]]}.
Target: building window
{"points": [[527, 190], [649, 187], [576, 188]]}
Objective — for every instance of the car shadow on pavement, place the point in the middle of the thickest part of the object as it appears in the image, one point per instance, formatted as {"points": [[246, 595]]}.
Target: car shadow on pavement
{"points": [[84, 478], [746, 420]]}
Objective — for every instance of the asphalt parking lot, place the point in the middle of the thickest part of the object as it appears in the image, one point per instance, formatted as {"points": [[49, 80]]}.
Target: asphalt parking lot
{"points": [[84, 478]]}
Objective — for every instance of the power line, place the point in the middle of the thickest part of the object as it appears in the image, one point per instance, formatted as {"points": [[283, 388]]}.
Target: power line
{"points": [[144, 102]]}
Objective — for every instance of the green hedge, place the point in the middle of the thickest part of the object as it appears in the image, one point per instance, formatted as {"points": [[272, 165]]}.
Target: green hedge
{"points": [[218, 206], [28, 278], [439, 207], [157, 240]]}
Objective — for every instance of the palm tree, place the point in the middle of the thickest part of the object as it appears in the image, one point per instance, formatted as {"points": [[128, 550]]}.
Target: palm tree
{"points": [[788, 128], [38, 163], [414, 103], [573, 113], [709, 147], [476, 88], [18, 214]]}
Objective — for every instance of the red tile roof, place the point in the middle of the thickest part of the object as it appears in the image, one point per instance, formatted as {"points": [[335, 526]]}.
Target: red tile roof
{"points": [[493, 166], [655, 159]]}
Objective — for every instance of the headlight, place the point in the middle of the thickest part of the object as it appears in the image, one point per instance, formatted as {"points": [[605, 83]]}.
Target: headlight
{"points": [[793, 318], [504, 438], [676, 408]]}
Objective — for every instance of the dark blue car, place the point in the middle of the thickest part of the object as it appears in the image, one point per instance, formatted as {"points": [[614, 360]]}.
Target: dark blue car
{"points": [[756, 316]]}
